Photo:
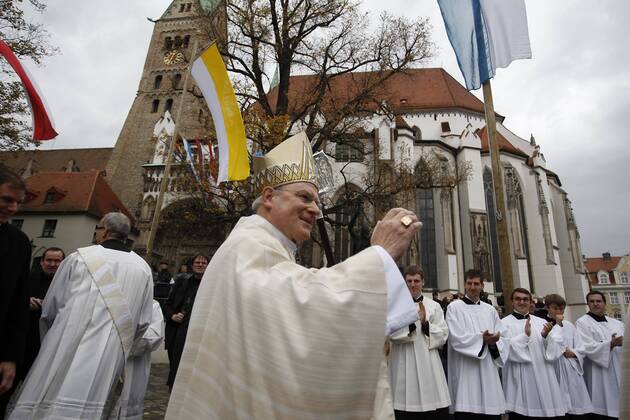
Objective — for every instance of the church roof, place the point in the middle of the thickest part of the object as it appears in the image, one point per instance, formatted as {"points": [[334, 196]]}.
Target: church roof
{"points": [[504, 144], [57, 160], [414, 90], [75, 192]]}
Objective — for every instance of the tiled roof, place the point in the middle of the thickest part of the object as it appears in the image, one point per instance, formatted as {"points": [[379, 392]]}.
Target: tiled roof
{"points": [[74, 192], [57, 160], [413, 90], [504, 144], [594, 265]]}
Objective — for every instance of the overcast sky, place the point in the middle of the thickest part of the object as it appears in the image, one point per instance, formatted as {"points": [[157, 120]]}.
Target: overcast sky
{"points": [[574, 95]]}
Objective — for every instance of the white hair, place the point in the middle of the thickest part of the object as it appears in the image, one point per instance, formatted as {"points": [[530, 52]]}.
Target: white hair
{"points": [[117, 224]]}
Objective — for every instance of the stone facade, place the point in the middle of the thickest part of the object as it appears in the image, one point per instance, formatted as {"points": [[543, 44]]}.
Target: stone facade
{"points": [[183, 31]]}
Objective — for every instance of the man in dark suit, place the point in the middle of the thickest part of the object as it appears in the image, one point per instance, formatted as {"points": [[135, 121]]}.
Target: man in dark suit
{"points": [[178, 308], [15, 256]]}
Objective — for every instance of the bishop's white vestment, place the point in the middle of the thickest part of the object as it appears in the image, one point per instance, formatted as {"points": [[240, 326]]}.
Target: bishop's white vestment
{"points": [[270, 339], [473, 368], [130, 404], [570, 372], [417, 376], [78, 371], [529, 377], [624, 404], [602, 367]]}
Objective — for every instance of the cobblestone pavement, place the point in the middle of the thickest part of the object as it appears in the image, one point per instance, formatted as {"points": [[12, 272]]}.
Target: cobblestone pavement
{"points": [[156, 399]]}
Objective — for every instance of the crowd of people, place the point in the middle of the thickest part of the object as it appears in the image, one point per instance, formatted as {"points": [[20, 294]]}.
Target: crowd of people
{"points": [[252, 334]]}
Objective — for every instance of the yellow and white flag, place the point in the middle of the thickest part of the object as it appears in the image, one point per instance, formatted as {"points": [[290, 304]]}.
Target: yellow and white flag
{"points": [[211, 76]]}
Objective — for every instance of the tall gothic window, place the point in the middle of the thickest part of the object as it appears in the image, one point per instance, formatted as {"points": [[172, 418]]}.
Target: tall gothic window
{"points": [[488, 187], [425, 210], [155, 105], [169, 105], [177, 79], [158, 81], [168, 43], [352, 233], [515, 212]]}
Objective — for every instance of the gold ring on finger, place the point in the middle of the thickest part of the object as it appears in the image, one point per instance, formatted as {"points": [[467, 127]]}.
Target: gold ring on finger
{"points": [[406, 221]]}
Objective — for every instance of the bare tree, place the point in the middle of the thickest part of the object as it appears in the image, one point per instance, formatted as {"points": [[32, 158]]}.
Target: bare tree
{"points": [[26, 39]]}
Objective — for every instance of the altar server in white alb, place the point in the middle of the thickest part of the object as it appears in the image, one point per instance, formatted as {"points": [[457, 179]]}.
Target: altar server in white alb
{"points": [[130, 405], [418, 382], [476, 350], [569, 367], [271, 339], [529, 377], [603, 340], [97, 307]]}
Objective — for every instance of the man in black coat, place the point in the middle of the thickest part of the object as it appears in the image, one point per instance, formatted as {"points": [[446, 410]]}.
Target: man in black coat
{"points": [[178, 308], [39, 282], [15, 256]]}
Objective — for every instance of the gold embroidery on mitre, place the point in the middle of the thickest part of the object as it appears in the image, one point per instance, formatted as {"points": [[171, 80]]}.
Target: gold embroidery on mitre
{"points": [[290, 161]]}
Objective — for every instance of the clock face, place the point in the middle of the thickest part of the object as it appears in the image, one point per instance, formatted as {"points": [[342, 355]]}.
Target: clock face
{"points": [[174, 57]]}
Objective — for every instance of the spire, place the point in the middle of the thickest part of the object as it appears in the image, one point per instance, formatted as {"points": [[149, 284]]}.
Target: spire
{"points": [[532, 140]]}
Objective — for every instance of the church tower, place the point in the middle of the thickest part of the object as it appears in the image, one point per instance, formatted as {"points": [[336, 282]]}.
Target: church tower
{"points": [[186, 25]]}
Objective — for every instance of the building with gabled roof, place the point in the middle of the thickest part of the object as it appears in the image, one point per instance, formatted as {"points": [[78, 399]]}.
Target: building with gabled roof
{"points": [[611, 276], [62, 209]]}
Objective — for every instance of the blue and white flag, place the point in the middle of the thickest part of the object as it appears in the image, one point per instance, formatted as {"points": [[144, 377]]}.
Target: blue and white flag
{"points": [[486, 35], [189, 157]]}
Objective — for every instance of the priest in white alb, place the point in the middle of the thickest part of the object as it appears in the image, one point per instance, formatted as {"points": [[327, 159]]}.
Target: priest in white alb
{"points": [[530, 384], [418, 382], [97, 307], [569, 367], [271, 339], [603, 341], [476, 350]]}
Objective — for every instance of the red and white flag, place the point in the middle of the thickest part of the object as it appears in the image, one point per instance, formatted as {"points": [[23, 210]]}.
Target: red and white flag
{"points": [[43, 128]]}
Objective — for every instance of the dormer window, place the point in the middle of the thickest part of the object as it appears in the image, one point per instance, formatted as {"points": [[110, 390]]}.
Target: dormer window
{"points": [[446, 127], [603, 278], [53, 195]]}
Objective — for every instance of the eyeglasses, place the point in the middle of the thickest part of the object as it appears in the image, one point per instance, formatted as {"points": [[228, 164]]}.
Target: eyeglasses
{"points": [[99, 227]]}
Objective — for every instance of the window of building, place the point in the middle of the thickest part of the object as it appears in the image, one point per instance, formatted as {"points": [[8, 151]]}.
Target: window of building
{"points": [[182, 7], [177, 79], [178, 41], [618, 316], [427, 249], [50, 197], [188, 6], [186, 41], [169, 105], [626, 297], [417, 135], [603, 278], [614, 298], [349, 151], [18, 223], [155, 105], [158, 81], [49, 228], [624, 277], [446, 127], [168, 43]]}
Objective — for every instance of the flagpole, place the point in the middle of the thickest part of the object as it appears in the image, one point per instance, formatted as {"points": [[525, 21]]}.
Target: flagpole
{"points": [[505, 259], [169, 160]]}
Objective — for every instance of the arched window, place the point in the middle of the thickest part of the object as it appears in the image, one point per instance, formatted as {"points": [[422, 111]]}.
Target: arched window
{"points": [[177, 79], [425, 209], [169, 105], [417, 134], [488, 187], [515, 212], [186, 41], [352, 233], [168, 43], [349, 151], [158, 81], [148, 207], [603, 278], [155, 105], [178, 42]]}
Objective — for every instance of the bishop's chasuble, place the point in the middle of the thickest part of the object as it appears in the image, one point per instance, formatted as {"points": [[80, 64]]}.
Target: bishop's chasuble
{"points": [[602, 367], [529, 377], [270, 339], [473, 368]]}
